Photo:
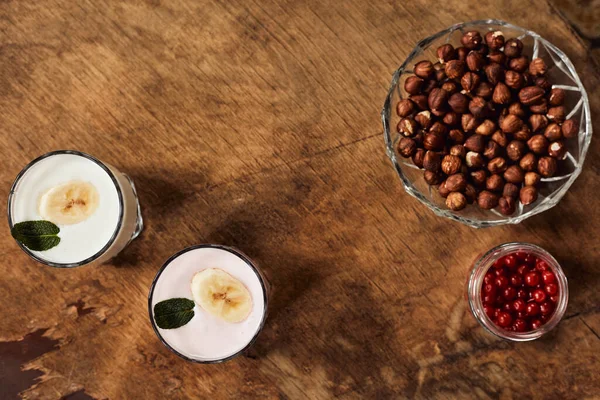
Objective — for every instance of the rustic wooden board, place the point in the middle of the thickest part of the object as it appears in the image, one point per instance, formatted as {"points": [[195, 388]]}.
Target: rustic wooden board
{"points": [[256, 124]]}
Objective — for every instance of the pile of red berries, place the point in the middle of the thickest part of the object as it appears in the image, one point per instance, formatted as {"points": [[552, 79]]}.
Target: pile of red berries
{"points": [[519, 292]]}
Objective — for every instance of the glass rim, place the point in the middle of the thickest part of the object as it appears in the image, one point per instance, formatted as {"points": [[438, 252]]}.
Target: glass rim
{"points": [[446, 213], [236, 253], [476, 305], [112, 177]]}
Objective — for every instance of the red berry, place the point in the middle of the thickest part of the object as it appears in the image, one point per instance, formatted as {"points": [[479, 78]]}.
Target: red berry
{"points": [[507, 307], [532, 309], [520, 255], [496, 312], [504, 319], [522, 314], [520, 325], [541, 265], [519, 305], [516, 280], [554, 299], [532, 279], [546, 308], [488, 278], [539, 295], [499, 271], [489, 310], [522, 294], [502, 282], [489, 299], [535, 324], [552, 289], [510, 261], [529, 260], [544, 318], [522, 269], [499, 263], [548, 277], [510, 293], [489, 288]]}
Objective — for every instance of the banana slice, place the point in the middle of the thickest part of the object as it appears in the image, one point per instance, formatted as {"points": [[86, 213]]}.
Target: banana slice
{"points": [[69, 203], [221, 295]]}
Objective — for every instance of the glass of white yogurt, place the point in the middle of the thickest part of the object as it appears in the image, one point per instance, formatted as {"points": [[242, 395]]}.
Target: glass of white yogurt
{"points": [[206, 276], [95, 206]]}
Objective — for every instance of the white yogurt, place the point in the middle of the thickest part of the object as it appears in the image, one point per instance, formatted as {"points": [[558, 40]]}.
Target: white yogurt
{"points": [[79, 241], [205, 337]]}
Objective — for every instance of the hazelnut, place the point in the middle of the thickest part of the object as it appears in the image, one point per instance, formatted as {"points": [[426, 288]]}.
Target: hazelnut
{"points": [[514, 80], [446, 53], [538, 144], [471, 40], [523, 134], [487, 200], [429, 86], [443, 190], [456, 201], [538, 122], [434, 141], [540, 108], [528, 162], [432, 161], [528, 195], [500, 138], [557, 114], [479, 177], [515, 150], [492, 150], [461, 53], [511, 124], [531, 95], [496, 56], [424, 119], [405, 107], [570, 128], [419, 138], [475, 61], [451, 119], [494, 73], [531, 179], [469, 122], [437, 99], [439, 128], [501, 94], [420, 101], [457, 136], [475, 143], [514, 174], [433, 178], [519, 64], [470, 193], [513, 48], [494, 39], [510, 190], [474, 160], [458, 150], [451, 164], [494, 183], [469, 81], [547, 166], [455, 69], [418, 157], [557, 97], [497, 165], [516, 109], [557, 150], [542, 82], [553, 131], [450, 87], [537, 67], [506, 205], [459, 103], [413, 84], [456, 183], [486, 128], [424, 69], [479, 107], [407, 126], [485, 90], [407, 147]]}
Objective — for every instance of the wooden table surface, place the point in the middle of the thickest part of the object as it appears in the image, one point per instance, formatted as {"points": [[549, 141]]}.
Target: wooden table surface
{"points": [[256, 124]]}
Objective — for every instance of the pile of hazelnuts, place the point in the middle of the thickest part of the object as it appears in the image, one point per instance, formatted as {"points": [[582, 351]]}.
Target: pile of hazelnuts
{"points": [[484, 122]]}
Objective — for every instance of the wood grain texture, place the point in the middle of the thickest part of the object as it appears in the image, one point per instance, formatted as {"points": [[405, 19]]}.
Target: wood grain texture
{"points": [[256, 124]]}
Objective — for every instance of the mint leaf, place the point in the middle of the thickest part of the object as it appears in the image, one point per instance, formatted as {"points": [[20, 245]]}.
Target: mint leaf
{"points": [[173, 313], [36, 235]]}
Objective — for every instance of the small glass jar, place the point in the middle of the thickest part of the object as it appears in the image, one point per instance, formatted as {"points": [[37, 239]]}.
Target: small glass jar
{"points": [[475, 283]]}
